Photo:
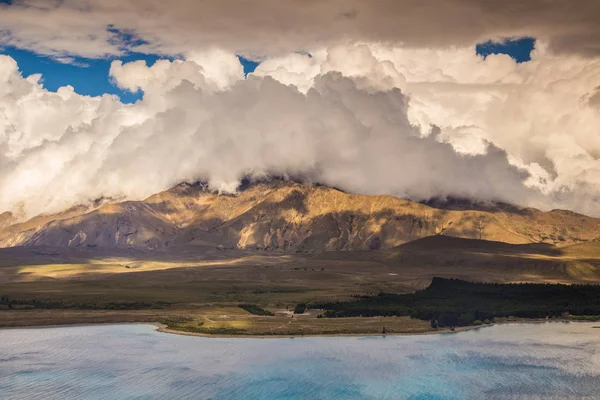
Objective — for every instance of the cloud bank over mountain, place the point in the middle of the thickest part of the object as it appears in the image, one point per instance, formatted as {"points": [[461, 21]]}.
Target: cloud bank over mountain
{"points": [[371, 104]]}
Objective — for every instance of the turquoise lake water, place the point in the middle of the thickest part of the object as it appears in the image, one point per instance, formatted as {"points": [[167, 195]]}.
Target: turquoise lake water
{"points": [[521, 361]]}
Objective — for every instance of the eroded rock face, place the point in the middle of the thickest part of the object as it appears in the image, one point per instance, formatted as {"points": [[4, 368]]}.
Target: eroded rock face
{"points": [[288, 217], [123, 225]]}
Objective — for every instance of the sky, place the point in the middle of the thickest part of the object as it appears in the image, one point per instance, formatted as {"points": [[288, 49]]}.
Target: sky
{"points": [[87, 76], [90, 76], [492, 101], [518, 49]]}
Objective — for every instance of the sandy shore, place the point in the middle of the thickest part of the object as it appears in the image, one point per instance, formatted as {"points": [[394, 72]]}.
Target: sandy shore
{"points": [[156, 324]]}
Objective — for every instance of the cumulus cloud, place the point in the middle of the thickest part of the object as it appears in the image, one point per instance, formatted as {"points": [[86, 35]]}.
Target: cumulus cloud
{"points": [[344, 131], [369, 117], [536, 111], [543, 112]]}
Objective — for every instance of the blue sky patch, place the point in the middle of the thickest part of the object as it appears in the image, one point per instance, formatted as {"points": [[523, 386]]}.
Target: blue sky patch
{"points": [[249, 65], [87, 76], [518, 49], [90, 76]]}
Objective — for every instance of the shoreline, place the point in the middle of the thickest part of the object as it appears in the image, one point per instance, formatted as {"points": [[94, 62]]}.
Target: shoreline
{"points": [[51, 326], [162, 328]]}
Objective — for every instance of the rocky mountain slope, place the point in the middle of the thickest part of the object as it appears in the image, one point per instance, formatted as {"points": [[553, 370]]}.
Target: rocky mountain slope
{"points": [[287, 216]]}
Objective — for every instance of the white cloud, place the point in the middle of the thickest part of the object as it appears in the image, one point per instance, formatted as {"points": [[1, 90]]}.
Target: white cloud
{"points": [[539, 112], [347, 132], [368, 118]]}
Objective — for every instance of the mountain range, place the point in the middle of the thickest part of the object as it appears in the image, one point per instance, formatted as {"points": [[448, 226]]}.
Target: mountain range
{"points": [[287, 216]]}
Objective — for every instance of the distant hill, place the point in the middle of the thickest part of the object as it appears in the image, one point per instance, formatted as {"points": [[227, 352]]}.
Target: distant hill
{"points": [[290, 217], [449, 243]]}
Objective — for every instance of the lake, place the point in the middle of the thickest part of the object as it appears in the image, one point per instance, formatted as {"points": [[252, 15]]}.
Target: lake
{"points": [[518, 361]]}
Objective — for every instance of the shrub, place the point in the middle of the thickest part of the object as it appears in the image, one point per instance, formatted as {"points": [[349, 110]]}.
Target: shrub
{"points": [[300, 308], [256, 310]]}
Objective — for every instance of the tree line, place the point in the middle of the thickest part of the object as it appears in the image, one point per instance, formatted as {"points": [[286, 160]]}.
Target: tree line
{"points": [[8, 303], [454, 302], [254, 309]]}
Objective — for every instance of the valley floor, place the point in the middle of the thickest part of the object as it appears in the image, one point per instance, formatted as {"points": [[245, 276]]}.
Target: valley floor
{"points": [[198, 289]]}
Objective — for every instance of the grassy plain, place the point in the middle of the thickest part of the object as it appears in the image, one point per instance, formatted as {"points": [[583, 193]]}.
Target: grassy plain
{"points": [[197, 289]]}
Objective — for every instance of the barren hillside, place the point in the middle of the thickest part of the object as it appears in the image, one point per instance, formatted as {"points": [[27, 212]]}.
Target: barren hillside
{"points": [[287, 216]]}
